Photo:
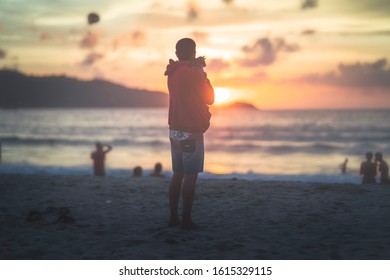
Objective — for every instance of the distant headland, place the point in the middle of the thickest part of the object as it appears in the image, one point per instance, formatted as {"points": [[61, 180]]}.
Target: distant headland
{"points": [[22, 91]]}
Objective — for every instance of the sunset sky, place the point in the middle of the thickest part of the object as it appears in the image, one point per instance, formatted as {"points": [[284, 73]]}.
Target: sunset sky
{"points": [[281, 54]]}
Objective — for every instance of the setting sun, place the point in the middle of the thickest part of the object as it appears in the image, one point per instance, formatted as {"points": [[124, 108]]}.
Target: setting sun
{"points": [[222, 95]]}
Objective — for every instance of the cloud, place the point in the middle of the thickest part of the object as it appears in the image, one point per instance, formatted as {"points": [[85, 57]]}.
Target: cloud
{"points": [[59, 37], [91, 58], [265, 51], [227, 2], [379, 32], [373, 6], [256, 78], [3, 54], [241, 81], [217, 65], [308, 32], [157, 5], [309, 4], [45, 36], [136, 38], [90, 40], [192, 10], [199, 36], [375, 75], [171, 15]]}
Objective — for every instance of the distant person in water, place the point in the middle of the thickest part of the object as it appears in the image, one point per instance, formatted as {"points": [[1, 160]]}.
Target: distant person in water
{"points": [[190, 93], [157, 171], [383, 168], [368, 170], [343, 166], [137, 171], [98, 156]]}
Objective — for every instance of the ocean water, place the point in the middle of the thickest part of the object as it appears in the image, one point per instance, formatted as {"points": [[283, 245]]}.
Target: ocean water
{"points": [[268, 145]]}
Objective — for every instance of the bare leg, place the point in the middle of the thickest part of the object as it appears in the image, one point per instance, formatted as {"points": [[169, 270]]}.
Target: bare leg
{"points": [[188, 188], [174, 195]]}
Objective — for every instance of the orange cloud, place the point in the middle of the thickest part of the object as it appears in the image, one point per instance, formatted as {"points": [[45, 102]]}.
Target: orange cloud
{"points": [[90, 40], [157, 5], [192, 10], [358, 75], [138, 37], [217, 65], [45, 36], [237, 81], [91, 58], [133, 39], [200, 36], [308, 32], [265, 51]]}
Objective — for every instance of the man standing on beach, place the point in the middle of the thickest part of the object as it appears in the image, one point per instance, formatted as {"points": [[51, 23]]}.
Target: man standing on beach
{"points": [[190, 92]]}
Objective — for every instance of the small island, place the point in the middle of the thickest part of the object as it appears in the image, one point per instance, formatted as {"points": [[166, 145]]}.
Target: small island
{"points": [[238, 105]]}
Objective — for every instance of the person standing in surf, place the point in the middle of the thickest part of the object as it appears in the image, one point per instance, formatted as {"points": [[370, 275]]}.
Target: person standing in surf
{"points": [[368, 170], [383, 168], [99, 156]]}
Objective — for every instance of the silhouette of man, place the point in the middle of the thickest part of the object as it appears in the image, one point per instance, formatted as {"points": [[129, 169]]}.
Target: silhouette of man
{"points": [[98, 156], [368, 170], [190, 92], [383, 168]]}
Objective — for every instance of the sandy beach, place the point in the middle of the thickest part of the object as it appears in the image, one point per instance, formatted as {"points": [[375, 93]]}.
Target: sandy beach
{"points": [[83, 217]]}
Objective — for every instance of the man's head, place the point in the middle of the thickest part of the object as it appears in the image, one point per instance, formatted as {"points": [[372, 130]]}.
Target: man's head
{"points": [[185, 49], [378, 156], [158, 168], [137, 171], [369, 155], [98, 145]]}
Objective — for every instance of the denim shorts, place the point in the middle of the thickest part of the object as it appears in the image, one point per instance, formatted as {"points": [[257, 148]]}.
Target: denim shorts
{"points": [[188, 154]]}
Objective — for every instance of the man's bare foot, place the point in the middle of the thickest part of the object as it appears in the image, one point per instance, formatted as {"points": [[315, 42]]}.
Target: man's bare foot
{"points": [[190, 225], [174, 222]]}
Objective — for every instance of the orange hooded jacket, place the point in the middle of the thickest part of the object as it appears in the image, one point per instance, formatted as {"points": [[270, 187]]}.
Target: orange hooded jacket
{"points": [[189, 94]]}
